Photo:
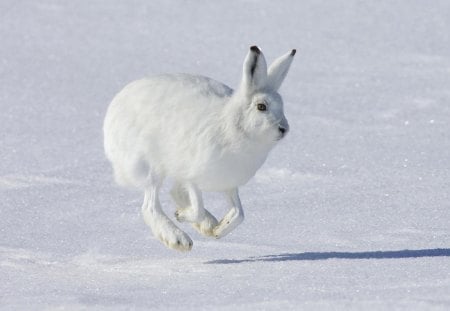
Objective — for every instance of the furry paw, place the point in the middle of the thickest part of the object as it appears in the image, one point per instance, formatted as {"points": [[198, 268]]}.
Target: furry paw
{"points": [[207, 225], [166, 231], [176, 239], [229, 222]]}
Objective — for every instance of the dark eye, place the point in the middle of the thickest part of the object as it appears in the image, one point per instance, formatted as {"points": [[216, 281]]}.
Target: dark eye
{"points": [[261, 107]]}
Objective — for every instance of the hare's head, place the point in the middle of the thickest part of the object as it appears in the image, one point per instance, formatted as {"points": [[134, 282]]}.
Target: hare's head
{"points": [[262, 107]]}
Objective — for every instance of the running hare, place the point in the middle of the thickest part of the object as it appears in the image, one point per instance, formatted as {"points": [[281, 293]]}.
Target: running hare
{"points": [[200, 133]]}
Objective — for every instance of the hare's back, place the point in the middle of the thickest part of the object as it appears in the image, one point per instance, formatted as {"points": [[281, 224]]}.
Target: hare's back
{"points": [[169, 93]]}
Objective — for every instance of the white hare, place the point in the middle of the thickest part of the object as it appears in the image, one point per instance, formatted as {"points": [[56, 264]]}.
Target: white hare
{"points": [[200, 133]]}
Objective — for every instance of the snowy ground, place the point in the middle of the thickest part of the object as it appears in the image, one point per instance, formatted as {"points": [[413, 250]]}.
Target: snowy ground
{"points": [[351, 211]]}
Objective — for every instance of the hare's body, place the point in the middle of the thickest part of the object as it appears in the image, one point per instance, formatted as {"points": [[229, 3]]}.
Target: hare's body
{"points": [[177, 126], [200, 133]]}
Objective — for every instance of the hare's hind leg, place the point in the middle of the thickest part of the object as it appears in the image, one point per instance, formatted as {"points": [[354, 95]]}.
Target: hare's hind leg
{"points": [[234, 216], [162, 227], [188, 199]]}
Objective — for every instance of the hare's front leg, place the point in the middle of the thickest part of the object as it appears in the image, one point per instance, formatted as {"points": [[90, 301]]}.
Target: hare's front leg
{"points": [[162, 227], [234, 216], [188, 199]]}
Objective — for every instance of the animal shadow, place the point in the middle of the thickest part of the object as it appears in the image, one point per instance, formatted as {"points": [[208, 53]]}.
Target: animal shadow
{"points": [[310, 256]]}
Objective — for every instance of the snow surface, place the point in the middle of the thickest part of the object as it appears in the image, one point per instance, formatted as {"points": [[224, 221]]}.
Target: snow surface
{"points": [[351, 211]]}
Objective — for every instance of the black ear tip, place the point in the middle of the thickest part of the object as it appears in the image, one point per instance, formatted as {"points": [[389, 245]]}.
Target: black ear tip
{"points": [[255, 49], [293, 52]]}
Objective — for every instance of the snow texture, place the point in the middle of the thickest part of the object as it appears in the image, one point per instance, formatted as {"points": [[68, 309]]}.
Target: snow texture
{"points": [[350, 212]]}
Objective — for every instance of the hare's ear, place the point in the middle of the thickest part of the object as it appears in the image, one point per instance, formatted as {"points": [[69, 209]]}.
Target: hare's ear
{"points": [[278, 70], [255, 70]]}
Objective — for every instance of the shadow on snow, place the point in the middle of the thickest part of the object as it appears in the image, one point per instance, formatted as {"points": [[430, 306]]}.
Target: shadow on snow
{"points": [[436, 252]]}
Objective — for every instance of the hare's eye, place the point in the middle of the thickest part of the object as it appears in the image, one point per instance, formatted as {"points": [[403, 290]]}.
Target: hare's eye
{"points": [[261, 107]]}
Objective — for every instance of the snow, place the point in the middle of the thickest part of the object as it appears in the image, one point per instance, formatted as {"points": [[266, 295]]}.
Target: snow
{"points": [[351, 211]]}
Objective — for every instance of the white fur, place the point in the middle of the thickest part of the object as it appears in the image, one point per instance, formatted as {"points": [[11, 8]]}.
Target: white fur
{"points": [[200, 133]]}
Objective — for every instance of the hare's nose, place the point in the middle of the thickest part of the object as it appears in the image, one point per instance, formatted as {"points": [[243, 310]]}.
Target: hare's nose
{"points": [[283, 131]]}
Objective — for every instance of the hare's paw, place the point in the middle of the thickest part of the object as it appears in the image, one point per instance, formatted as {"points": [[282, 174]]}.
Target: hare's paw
{"points": [[229, 222], [169, 234], [178, 241], [175, 238], [204, 224], [207, 225]]}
